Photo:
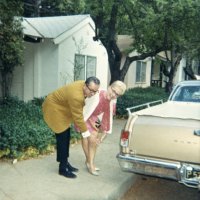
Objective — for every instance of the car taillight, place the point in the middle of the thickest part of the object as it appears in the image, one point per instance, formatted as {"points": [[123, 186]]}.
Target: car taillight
{"points": [[124, 138]]}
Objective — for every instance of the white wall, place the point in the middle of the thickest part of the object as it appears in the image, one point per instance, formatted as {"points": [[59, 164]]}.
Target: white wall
{"points": [[17, 82], [22, 84], [29, 63], [180, 74], [48, 68], [86, 46], [40, 69], [130, 78]]}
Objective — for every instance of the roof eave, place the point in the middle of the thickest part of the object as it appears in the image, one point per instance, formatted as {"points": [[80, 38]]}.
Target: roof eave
{"points": [[74, 29]]}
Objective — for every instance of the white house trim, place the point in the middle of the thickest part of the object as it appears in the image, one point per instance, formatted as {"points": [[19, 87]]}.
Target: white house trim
{"points": [[74, 29]]}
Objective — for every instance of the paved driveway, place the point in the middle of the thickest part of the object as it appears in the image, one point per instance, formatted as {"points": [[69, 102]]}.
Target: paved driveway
{"points": [[38, 179]]}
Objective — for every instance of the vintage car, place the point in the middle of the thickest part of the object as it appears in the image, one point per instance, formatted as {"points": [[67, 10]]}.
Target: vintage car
{"points": [[164, 140]]}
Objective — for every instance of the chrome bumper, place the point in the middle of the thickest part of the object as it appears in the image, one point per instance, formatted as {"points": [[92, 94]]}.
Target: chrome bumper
{"points": [[160, 168]]}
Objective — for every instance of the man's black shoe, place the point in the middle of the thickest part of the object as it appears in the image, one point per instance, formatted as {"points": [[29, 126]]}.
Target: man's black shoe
{"points": [[72, 169], [67, 173]]}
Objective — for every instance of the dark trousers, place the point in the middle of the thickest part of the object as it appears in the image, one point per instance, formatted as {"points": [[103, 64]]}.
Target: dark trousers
{"points": [[63, 142]]}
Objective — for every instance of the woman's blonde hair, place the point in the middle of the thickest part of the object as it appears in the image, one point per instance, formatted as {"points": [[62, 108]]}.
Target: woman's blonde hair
{"points": [[119, 86]]}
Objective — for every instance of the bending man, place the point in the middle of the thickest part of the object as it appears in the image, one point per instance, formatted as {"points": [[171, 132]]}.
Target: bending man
{"points": [[63, 107]]}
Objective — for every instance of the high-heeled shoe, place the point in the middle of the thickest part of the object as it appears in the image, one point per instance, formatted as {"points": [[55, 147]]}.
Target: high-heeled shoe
{"points": [[95, 173], [88, 166]]}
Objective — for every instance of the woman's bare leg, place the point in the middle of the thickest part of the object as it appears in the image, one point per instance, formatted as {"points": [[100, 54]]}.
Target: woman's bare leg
{"points": [[85, 147], [91, 153]]}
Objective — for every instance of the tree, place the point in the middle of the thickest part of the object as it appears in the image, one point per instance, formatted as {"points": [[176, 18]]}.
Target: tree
{"points": [[11, 42], [35, 8], [156, 25]]}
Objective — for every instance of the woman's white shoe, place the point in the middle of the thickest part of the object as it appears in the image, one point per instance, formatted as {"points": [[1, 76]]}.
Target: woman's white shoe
{"points": [[88, 166], [95, 173]]}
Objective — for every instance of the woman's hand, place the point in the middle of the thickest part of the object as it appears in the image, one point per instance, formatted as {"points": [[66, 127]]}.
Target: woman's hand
{"points": [[95, 125]]}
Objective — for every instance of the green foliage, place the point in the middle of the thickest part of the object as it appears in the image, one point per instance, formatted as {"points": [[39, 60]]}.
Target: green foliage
{"points": [[22, 127], [156, 26], [11, 41], [75, 136], [11, 33], [53, 7], [38, 101], [137, 96], [23, 132], [164, 23]]}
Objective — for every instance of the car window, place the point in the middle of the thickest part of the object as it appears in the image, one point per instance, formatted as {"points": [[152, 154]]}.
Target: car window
{"points": [[187, 94]]}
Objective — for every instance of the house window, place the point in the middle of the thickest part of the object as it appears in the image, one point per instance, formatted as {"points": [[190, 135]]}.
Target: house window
{"points": [[85, 66], [140, 72]]}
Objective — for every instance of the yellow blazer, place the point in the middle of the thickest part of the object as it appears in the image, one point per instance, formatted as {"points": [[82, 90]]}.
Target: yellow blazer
{"points": [[65, 106]]}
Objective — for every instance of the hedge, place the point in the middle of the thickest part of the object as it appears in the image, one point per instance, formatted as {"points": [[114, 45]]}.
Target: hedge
{"points": [[137, 96]]}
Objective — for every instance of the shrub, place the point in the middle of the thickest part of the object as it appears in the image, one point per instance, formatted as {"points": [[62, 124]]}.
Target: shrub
{"points": [[22, 127], [137, 96], [23, 132], [38, 101], [75, 136]]}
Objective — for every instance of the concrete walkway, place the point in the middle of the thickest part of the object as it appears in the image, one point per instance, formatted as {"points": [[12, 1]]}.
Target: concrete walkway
{"points": [[38, 179]]}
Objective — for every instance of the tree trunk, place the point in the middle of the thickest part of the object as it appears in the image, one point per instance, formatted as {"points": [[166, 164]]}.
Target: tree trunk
{"points": [[6, 84], [169, 69], [115, 70]]}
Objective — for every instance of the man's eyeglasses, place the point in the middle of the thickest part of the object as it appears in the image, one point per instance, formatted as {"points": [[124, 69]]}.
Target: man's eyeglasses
{"points": [[91, 90]]}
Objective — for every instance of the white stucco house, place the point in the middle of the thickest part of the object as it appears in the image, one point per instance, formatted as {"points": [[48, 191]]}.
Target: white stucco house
{"points": [[147, 72], [139, 72], [180, 75], [58, 50]]}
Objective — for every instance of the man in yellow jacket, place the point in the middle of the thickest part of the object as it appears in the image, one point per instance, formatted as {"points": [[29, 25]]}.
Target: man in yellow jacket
{"points": [[63, 107]]}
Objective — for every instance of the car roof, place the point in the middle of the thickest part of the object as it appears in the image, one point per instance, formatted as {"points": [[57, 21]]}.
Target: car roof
{"points": [[189, 82]]}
